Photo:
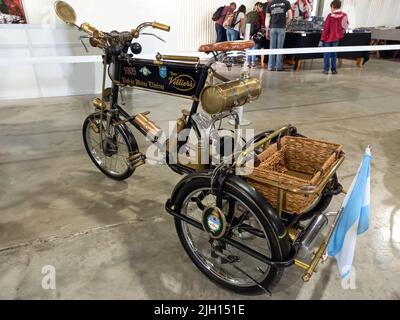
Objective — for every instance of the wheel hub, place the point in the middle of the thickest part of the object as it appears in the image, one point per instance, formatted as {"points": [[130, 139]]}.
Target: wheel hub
{"points": [[110, 147]]}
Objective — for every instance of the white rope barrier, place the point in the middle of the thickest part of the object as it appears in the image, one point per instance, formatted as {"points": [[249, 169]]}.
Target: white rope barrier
{"points": [[50, 60], [322, 50], [258, 52]]}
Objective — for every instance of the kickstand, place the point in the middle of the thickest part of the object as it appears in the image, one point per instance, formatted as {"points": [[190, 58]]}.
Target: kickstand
{"points": [[254, 280], [232, 261]]}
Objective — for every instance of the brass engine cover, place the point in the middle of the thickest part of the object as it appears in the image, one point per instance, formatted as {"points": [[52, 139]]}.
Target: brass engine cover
{"points": [[223, 97]]}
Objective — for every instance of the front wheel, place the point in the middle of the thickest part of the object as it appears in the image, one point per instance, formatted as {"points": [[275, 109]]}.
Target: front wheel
{"points": [[109, 152], [250, 227]]}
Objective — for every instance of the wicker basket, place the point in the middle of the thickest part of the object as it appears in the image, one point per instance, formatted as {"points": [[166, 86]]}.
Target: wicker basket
{"points": [[297, 162]]}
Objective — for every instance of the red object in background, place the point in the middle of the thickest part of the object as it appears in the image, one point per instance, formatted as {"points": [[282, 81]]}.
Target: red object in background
{"points": [[15, 8]]}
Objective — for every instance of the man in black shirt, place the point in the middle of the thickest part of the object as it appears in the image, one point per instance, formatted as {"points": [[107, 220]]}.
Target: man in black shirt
{"points": [[279, 13]]}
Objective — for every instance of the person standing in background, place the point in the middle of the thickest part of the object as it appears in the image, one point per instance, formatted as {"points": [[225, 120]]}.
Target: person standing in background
{"points": [[302, 9], [3, 7], [261, 15], [257, 25], [335, 25], [279, 13], [219, 21], [266, 42], [238, 24], [265, 6]]}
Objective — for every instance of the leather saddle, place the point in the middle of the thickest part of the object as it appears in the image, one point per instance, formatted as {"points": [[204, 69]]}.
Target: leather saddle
{"points": [[227, 46]]}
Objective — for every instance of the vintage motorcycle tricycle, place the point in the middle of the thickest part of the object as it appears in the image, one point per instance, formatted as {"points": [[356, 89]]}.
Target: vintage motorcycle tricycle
{"points": [[241, 220]]}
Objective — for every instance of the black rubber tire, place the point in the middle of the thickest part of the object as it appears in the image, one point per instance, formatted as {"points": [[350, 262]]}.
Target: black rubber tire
{"points": [[128, 139], [274, 275]]}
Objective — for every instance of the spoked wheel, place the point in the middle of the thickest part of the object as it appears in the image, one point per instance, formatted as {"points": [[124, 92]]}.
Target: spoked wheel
{"points": [[109, 152], [229, 267]]}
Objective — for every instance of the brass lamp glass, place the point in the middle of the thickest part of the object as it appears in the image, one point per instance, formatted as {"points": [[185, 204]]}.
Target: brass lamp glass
{"points": [[65, 12]]}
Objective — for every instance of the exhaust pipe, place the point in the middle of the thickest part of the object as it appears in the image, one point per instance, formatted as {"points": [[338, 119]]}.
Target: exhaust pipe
{"points": [[306, 238]]}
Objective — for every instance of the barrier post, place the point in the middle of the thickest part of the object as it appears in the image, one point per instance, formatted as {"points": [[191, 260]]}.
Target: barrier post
{"points": [[240, 110]]}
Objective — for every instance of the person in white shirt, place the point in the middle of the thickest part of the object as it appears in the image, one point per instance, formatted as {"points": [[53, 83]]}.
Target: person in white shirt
{"points": [[302, 9]]}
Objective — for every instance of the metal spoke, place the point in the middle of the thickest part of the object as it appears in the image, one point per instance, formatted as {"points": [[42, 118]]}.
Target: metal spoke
{"points": [[113, 159], [198, 241]]}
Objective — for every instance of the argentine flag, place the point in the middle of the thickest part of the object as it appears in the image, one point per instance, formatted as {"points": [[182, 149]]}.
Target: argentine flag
{"points": [[354, 220]]}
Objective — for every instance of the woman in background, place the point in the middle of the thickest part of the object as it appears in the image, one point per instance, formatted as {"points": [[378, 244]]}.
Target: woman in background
{"points": [[239, 21], [302, 9], [256, 28]]}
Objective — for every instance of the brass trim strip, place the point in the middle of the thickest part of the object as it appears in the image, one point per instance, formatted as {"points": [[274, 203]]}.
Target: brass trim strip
{"points": [[160, 57], [301, 265], [250, 149]]}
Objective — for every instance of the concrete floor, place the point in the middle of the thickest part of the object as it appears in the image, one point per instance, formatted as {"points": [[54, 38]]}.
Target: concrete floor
{"points": [[114, 240]]}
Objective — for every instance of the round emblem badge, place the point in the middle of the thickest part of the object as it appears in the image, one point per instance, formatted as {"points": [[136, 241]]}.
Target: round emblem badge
{"points": [[214, 222]]}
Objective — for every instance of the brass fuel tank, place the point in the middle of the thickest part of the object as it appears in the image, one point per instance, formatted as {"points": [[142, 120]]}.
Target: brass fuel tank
{"points": [[223, 97]]}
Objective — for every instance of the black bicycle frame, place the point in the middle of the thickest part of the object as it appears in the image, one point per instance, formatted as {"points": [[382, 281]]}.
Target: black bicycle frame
{"points": [[119, 64], [118, 82]]}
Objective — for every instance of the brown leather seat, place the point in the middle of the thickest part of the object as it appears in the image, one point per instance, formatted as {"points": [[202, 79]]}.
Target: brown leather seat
{"points": [[227, 46]]}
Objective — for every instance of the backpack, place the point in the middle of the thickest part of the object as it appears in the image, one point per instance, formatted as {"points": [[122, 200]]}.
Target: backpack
{"points": [[218, 14], [259, 37], [252, 18], [230, 21]]}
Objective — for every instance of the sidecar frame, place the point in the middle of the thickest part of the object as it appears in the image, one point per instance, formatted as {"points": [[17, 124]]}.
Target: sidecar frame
{"points": [[273, 215]]}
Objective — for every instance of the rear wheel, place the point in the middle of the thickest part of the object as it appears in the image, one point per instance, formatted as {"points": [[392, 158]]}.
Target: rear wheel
{"points": [[110, 153], [249, 227]]}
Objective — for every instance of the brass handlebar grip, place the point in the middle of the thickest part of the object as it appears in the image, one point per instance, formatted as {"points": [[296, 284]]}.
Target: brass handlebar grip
{"points": [[89, 29], [161, 26]]}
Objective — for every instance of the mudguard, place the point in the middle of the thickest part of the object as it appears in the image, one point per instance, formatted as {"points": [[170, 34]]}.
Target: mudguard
{"points": [[242, 185], [130, 137]]}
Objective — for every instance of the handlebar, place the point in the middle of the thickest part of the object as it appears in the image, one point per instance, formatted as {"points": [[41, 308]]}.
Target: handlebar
{"points": [[103, 39]]}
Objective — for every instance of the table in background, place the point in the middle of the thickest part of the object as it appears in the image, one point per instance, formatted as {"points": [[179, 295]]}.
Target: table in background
{"points": [[311, 39], [386, 36]]}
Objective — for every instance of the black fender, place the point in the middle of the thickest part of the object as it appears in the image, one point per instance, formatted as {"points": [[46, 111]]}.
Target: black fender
{"points": [[129, 136], [239, 183]]}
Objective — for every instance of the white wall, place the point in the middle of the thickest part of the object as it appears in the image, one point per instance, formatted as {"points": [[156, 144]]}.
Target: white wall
{"points": [[45, 35], [23, 81], [370, 13]]}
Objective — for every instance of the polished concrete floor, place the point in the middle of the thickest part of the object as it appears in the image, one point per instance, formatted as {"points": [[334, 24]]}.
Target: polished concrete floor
{"points": [[111, 239]]}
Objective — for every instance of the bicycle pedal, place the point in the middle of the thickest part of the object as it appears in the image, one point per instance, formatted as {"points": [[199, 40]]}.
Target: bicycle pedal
{"points": [[137, 160]]}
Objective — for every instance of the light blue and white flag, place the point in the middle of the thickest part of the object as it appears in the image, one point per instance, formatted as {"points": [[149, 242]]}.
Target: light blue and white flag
{"points": [[354, 220]]}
